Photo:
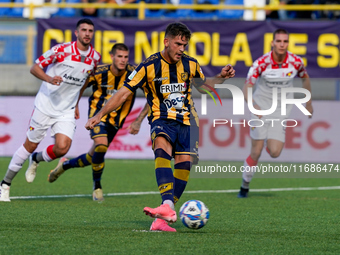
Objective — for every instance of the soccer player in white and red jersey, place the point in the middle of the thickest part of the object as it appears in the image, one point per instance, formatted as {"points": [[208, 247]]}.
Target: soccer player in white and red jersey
{"points": [[275, 69], [69, 66]]}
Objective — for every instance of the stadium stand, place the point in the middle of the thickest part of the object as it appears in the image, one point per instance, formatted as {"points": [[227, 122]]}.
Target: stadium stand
{"points": [[68, 12], [16, 11], [44, 12], [180, 13], [248, 14], [231, 14], [126, 13], [154, 13], [4, 11], [206, 14], [13, 49]]}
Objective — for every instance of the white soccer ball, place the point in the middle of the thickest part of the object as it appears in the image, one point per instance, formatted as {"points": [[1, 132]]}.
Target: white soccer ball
{"points": [[194, 214]]}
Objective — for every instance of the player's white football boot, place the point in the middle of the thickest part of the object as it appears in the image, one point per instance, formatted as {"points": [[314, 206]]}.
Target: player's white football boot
{"points": [[56, 172], [4, 193], [31, 171], [97, 195]]}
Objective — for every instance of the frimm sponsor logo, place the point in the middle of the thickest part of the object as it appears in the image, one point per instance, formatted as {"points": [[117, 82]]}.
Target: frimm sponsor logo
{"points": [[238, 105], [173, 87]]}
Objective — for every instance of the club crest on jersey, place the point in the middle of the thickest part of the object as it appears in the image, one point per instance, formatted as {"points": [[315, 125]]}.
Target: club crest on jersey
{"points": [[88, 71], [289, 74], [31, 128], [184, 76]]}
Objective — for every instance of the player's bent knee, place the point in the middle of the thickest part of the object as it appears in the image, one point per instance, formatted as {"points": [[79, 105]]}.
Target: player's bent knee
{"points": [[275, 154], [102, 148], [61, 151], [30, 146]]}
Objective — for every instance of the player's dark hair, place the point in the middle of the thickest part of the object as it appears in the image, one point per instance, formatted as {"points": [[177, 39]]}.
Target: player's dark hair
{"points": [[84, 21], [279, 31], [175, 29], [118, 46]]}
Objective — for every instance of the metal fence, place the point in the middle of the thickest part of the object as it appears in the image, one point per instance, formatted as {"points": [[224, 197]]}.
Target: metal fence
{"points": [[142, 7]]}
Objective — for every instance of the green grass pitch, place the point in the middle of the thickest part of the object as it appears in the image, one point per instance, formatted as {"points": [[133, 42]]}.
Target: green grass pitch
{"points": [[285, 222]]}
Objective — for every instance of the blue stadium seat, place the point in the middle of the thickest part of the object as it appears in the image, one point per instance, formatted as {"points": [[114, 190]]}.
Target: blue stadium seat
{"points": [[126, 13], [68, 12], [231, 14], [14, 49], [180, 13], [17, 11], [4, 11], [206, 14], [154, 13]]}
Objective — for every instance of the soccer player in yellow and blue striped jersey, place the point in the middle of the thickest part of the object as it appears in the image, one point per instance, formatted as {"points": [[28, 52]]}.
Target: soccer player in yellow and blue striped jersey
{"points": [[107, 81], [166, 78]]}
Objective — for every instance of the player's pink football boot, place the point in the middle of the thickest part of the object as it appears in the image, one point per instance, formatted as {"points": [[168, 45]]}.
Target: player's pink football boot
{"points": [[163, 212], [161, 225]]}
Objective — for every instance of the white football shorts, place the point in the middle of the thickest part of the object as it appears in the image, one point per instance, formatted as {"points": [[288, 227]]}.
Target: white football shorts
{"points": [[262, 129], [40, 123], [270, 129]]}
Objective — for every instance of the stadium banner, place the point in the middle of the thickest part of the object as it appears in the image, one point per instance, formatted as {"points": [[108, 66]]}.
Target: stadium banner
{"points": [[312, 140], [213, 44]]}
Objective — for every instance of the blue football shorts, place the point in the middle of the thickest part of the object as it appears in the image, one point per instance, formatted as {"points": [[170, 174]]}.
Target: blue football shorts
{"points": [[183, 138], [104, 129]]}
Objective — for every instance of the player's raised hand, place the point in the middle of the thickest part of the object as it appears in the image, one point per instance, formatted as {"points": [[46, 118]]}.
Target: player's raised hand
{"points": [[227, 72], [56, 80], [92, 122], [309, 108]]}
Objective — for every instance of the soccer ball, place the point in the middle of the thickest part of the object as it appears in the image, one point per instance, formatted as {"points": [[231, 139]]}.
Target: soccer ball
{"points": [[194, 214]]}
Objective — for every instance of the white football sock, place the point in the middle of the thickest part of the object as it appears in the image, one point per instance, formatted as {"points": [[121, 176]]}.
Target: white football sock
{"points": [[45, 156], [248, 172], [18, 159], [169, 202]]}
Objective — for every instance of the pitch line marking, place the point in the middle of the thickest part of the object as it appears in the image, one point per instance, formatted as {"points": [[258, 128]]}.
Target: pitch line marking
{"points": [[189, 192]]}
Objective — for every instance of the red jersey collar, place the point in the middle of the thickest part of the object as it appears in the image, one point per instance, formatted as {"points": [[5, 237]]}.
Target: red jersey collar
{"points": [[77, 51], [274, 62]]}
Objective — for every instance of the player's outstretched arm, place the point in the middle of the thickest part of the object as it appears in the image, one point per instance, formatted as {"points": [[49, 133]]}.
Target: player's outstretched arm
{"points": [[134, 127], [40, 74], [306, 85], [115, 101], [226, 72]]}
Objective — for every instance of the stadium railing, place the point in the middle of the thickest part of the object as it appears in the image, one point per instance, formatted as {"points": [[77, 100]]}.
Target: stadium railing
{"points": [[142, 7]]}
